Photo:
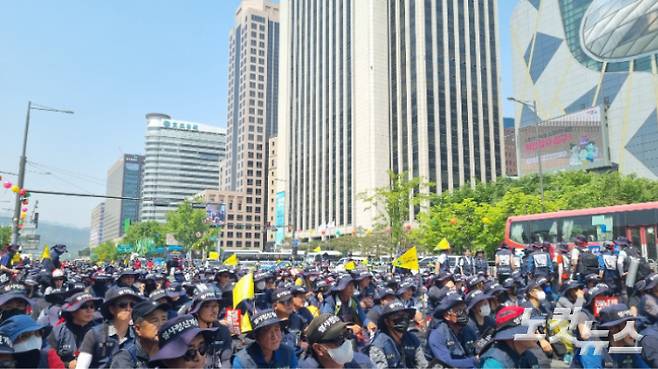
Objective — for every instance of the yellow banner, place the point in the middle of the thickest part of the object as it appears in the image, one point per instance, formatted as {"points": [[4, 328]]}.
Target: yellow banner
{"points": [[244, 289], [442, 245], [408, 260], [231, 260]]}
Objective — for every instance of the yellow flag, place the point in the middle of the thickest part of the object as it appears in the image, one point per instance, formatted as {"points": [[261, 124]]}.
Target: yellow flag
{"points": [[231, 260], [213, 255], [299, 282], [442, 245], [244, 289], [45, 254], [365, 261], [408, 260], [351, 265], [16, 259], [317, 249], [245, 323]]}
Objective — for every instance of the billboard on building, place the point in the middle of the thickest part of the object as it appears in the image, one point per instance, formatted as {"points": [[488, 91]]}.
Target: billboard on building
{"points": [[215, 214], [280, 217], [574, 141]]}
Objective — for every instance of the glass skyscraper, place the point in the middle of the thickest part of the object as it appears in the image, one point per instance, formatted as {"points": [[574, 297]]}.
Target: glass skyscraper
{"points": [[181, 160]]}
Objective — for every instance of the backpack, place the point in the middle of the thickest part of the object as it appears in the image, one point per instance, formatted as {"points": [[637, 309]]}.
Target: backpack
{"points": [[588, 263], [643, 269]]}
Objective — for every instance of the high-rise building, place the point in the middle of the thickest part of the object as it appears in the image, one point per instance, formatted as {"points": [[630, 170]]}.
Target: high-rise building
{"points": [[124, 179], [368, 86], [182, 159], [598, 55], [510, 147], [252, 112], [446, 124], [97, 227]]}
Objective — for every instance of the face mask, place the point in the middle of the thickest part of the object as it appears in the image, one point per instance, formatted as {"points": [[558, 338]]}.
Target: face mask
{"points": [[462, 318], [343, 354], [541, 295], [32, 343], [485, 310], [401, 325], [260, 285]]}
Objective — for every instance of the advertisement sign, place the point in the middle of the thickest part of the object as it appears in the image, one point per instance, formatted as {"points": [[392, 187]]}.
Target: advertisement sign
{"points": [[572, 142], [215, 214], [280, 217]]}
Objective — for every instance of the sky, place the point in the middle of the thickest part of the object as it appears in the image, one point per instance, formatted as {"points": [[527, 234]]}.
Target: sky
{"points": [[112, 62]]}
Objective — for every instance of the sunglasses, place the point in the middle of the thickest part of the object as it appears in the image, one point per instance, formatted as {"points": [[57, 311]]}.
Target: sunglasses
{"points": [[338, 341], [88, 307], [190, 354], [125, 304]]}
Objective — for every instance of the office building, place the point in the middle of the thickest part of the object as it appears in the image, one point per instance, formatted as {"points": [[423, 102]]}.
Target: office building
{"points": [[96, 230], [124, 179], [596, 57], [411, 86], [252, 110], [239, 231], [272, 182], [181, 159], [446, 125], [510, 147]]}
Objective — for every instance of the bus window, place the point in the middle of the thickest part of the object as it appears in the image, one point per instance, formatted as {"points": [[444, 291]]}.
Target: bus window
{"points": [[596, 228], [519, 232]]}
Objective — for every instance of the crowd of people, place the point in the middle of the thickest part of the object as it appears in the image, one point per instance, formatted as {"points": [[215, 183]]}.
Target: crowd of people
{"points": [[565, 305]]}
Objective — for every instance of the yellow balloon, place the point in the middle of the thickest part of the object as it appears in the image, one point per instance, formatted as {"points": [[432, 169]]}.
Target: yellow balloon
{"points": [[23, 215], [15, 189]]}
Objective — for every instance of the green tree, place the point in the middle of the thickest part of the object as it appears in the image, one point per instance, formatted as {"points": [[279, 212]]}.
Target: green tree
{"points": [[145, 230], [105, 252], [5, 235], [188, 225], [394, 202]]}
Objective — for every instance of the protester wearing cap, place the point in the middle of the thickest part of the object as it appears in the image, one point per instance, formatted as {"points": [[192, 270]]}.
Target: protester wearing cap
{"points": [[181, 344], [506, 352], [383, 297], [393, 345], [450, 342], [480, 319], [13, 301], [293, 324], [148, 316], [571, 291], [26, 337], [536, 297], [266, 351], [127, 278], [206, 306], [329, 345], [264, 287], [78, 313], [614, 318], [106, 339], [57, 279], [161, 296], [299, 304], [343, 304], [6, 257]]}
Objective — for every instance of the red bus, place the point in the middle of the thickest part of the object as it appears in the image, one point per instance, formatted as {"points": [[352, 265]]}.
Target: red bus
{"points": [[638, 222]]}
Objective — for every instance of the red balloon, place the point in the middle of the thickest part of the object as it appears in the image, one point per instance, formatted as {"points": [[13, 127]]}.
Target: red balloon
{"points": [[25, 202], [22, 192], [7, 185]]}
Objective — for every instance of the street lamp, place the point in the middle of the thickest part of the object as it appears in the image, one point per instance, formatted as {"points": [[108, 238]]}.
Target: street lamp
{"points": [[533, 106], [23, 160]]}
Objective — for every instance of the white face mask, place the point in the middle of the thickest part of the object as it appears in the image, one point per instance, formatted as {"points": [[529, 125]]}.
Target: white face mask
{"points": [[260, 285], [541, 295], [32, 343], [485, 310], [343, 354]]}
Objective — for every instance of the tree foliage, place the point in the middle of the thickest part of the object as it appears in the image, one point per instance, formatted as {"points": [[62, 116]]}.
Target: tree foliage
{"points": [[5, 235], [394, 203], [142, 231], [475, 217], [373, 243], [105, 252], [189, 227]]}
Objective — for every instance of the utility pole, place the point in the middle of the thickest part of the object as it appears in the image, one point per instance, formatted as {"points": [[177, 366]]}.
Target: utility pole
{"points": [[21, 165]]}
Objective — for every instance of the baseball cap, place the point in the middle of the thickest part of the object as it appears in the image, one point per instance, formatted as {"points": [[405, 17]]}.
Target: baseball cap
{"points": [[613, 315], [325, 328], [281, 295], [508, 323], [18, 325], [74, 302], [146, 307]]}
